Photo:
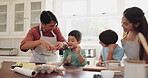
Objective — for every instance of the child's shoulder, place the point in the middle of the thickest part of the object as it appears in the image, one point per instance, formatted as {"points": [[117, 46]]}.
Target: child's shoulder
{"points": [[119, 49]]}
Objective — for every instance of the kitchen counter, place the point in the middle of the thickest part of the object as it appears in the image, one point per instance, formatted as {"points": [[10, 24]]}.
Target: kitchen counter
{"points": [[19, 58]]}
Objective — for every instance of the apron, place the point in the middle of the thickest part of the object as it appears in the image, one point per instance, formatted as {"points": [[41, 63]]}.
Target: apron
{"points": [[131, 48], [41, 54]]}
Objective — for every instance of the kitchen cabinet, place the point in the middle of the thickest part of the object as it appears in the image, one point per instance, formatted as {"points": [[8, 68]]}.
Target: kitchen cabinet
{"points": [[3, 17], [18, 16]]}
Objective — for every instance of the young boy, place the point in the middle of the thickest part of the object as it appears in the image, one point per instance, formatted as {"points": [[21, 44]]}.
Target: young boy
{"points": [[110, 50], [74, 55]]}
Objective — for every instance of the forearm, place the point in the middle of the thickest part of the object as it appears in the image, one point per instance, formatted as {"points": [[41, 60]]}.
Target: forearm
{"points": [[30, 44], [100, 59], [99, 63], [111, 50], [65, 62], [81, 58], [110, 55]]}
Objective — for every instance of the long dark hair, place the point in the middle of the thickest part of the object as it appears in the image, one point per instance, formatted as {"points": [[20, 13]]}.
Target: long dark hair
{"points": [[135, 15]]}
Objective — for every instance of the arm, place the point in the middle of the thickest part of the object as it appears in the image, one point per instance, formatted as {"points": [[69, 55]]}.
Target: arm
{"points": [[29, 41], [60, 37], [144, 42], [33, 39], [67, 57], [100, 61], [80, 56], [31, 44], [111, 50], [61, 40]]}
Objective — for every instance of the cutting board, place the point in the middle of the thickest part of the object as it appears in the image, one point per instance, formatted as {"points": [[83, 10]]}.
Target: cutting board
{"points": [[94, 68]]}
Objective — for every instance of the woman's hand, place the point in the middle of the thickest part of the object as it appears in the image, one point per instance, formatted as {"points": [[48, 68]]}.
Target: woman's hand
{"points": [[47, 45], [59, 45]]}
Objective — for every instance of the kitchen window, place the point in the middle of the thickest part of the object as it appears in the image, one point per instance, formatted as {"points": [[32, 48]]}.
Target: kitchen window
{"points": [[74, 8], [139, 3], [77, 8], [93, 16], [98, 7]]}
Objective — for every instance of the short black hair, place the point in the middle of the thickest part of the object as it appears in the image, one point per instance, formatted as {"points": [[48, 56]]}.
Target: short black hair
{"points": [[47, 16], [108, 37], [77, 34]]}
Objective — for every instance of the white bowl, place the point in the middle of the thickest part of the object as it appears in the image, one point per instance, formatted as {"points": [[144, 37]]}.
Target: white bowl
{"points": [[107, 74]]}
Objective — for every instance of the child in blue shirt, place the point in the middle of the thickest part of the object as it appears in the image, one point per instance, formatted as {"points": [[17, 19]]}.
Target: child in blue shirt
{"points": [[110, 50], [74, 55]]}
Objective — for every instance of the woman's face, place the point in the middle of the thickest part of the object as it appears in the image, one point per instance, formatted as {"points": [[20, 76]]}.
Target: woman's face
{"points": [[48, 27], [72, 42], [127, 26]]}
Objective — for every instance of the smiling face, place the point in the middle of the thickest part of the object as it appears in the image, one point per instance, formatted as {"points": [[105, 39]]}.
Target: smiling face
{"points": [[127, 26], [72, 42], [48, 27]]}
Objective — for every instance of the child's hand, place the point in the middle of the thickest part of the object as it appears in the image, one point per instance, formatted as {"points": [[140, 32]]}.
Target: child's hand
{"points": [[99, 63], [68, 58], [78, 49]]}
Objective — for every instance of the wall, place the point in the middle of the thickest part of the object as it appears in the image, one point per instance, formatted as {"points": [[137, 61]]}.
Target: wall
{"points": [[12, 43]]}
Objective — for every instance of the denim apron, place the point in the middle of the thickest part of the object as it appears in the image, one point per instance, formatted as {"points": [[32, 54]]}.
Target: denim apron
{"points": [[131, 48]]}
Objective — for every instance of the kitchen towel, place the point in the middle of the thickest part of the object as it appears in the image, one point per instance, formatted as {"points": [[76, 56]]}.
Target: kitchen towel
{"points": [[26, 72]]}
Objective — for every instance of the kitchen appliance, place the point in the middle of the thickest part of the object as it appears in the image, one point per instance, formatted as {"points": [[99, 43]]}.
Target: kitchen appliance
{"points": [[90, 53], [8, 51]]}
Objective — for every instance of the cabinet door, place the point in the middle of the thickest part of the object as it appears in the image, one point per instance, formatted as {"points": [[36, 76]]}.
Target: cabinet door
{"points": [[35, 11], [3, 17], [19, 17]]}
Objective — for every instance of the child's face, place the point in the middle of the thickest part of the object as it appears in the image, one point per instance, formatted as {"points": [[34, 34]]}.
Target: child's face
{"points": [[72, 42], [104, 45]]}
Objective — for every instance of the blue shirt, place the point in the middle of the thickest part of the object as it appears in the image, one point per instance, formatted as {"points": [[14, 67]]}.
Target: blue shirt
{"points": [[117, 54]]}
